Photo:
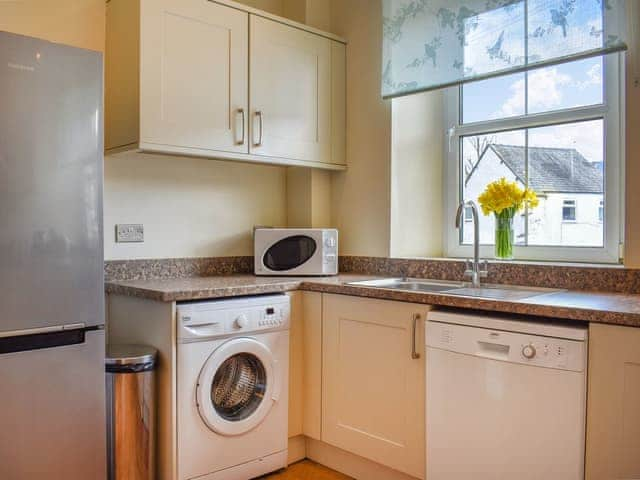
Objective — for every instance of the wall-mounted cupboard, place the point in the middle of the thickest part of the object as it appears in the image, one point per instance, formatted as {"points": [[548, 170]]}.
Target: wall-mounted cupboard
{"points": [[217, 79]]}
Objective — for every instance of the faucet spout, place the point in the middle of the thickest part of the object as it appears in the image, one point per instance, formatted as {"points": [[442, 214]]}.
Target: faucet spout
{"points": [[474, 272]]}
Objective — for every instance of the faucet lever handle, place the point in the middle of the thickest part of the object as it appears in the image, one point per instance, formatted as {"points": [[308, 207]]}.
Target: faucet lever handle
{"points": [[468, 268], [484, 268]]}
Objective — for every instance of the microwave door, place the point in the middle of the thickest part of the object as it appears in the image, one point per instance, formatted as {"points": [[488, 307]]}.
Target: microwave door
{"points": [[289, 253]]}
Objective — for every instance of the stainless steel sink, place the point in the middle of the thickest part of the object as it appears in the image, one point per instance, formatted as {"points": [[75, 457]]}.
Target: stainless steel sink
{"points": [[411, 285], [495, 292]]}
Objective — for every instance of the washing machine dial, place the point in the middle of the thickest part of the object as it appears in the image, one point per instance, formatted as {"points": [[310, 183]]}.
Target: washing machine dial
{"points": [[241, 322]]}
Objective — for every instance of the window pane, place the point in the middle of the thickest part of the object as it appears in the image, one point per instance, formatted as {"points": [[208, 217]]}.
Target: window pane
{"points": [[568, 85], [569, 211], [494, 39], [566, 170], [563, 86], [499, 97], [557, 28], [481, 165]]}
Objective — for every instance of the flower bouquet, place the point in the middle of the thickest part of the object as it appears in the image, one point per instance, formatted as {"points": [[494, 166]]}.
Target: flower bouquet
{"points": [[504, 199]]}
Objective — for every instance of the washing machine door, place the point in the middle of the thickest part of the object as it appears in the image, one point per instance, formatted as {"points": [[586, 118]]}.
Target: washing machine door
{"points": [[237, 386]]}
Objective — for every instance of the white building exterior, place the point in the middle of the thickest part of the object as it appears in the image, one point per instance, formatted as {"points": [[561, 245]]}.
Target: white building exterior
{"points": [[569, 187]]}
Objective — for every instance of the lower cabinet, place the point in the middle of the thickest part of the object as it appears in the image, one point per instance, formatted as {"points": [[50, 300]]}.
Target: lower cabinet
{"points": [[373, 386], [613, 409]]}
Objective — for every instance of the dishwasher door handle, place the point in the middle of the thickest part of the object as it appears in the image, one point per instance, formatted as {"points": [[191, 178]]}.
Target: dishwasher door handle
{"points": [[414, 331]]}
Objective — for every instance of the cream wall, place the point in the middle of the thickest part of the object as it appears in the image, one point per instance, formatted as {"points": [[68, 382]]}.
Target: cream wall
{"points": [[632, 224], [276, 7], [73, 22], [190, 207], [308, 198], [417, 176], [361, 196]]}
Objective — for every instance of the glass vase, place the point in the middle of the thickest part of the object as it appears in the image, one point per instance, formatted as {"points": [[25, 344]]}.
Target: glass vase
{"points": [[504, 237]]}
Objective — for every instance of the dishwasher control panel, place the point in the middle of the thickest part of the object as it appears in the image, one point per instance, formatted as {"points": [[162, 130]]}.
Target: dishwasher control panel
{"points": [[507, 346]]}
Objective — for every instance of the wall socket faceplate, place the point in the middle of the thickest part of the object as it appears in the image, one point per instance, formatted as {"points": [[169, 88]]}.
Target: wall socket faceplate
{"points": [[129, 233]]}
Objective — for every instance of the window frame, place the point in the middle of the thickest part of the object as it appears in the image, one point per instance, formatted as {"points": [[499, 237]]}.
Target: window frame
{"points": [[612, 114], [570, 203]]}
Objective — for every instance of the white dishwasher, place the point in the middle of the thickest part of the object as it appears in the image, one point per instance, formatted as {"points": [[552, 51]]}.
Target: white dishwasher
{"points": [[505, 399]]}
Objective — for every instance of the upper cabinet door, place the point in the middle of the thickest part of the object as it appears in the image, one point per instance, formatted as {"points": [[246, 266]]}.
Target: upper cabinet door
{"points": [[193, 76], [290, 92]]}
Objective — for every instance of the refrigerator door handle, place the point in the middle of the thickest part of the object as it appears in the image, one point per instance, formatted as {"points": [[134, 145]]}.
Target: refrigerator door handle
{"points": [[47, 337]]}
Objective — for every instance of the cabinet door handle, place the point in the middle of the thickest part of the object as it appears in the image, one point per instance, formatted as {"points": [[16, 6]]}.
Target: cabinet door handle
{"points": [[241, 112], [414, 351], [258, 114]]}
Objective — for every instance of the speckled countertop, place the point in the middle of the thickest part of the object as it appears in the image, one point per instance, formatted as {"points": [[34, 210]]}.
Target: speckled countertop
{"points": [[587, 306]]}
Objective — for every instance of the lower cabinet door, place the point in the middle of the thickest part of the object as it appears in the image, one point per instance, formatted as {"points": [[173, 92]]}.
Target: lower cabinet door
{"points": [[613, 405], [373, 386]]}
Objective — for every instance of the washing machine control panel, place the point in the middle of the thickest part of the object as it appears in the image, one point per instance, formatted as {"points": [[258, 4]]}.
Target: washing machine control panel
{"points": [[243, 315], [271, 317]]}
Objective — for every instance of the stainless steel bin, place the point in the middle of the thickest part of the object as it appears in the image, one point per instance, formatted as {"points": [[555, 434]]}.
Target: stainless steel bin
{"points": [[131, 412]]}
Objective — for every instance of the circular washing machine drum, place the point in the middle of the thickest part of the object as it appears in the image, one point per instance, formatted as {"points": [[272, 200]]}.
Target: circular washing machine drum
{"points": [[237, 386]]}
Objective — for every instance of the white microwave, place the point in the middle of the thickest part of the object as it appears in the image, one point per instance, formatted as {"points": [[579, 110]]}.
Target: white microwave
{"points": [[295, 251]]}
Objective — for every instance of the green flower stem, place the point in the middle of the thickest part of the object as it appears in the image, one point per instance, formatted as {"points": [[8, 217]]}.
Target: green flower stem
{"points": [[504, 234]]}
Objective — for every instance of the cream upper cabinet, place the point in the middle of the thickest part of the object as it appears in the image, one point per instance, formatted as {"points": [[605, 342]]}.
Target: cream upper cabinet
{"points": [[613, 407], [290, 92], [218, 80], [372, 386], [193, 73]]}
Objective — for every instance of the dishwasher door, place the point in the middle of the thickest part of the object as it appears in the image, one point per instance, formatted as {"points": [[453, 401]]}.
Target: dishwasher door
{"points": [[503, 405]]}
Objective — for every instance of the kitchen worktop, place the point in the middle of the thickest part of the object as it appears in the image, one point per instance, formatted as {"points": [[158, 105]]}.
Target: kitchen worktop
{"points": [[586, 306]]}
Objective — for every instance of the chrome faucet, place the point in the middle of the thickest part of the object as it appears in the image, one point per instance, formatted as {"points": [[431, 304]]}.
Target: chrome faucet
{"points": [[474, 271]]}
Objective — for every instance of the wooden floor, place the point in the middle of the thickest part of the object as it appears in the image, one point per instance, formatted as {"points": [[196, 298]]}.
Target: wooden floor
{"points": [[307, 470]]}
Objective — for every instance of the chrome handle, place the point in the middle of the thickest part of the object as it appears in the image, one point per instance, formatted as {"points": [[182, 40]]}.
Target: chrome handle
{"points": [[468, 268], [241, 112], [484, 272], [258, 114], [414, 351]]}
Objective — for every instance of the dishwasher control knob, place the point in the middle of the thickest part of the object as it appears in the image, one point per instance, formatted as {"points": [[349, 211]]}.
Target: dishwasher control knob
{"points": [[528, 351], [241, 321]]}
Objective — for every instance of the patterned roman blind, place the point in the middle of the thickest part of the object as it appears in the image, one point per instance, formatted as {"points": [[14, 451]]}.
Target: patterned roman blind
{"points": [[430, 44]]}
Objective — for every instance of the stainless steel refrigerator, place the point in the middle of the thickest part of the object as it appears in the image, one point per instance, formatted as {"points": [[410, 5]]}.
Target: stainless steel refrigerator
{"points": [[52, 412]]}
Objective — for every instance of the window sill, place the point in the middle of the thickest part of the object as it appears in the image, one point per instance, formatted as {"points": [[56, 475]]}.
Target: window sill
{"points": [[522, 262]]}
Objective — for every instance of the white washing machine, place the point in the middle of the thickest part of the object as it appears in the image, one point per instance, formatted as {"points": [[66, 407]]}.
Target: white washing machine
{"points": [[232, 380]]}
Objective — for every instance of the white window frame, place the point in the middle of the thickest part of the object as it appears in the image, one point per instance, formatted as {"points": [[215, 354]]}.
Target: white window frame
{"points": [[612, 113]]}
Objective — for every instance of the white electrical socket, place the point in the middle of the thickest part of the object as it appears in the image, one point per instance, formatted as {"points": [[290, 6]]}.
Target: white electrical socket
{"points": [[129, 233]]}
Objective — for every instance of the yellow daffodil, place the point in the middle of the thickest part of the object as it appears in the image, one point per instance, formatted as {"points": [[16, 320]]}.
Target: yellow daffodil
{"points": [[504, 195]]}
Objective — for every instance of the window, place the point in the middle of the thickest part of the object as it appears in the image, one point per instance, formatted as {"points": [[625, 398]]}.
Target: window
{"points": [[569, 211], [544, 129], [601, 212]]}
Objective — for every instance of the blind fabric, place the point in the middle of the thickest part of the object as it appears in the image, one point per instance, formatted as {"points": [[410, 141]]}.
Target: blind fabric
{"points": [[430, 44]]}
